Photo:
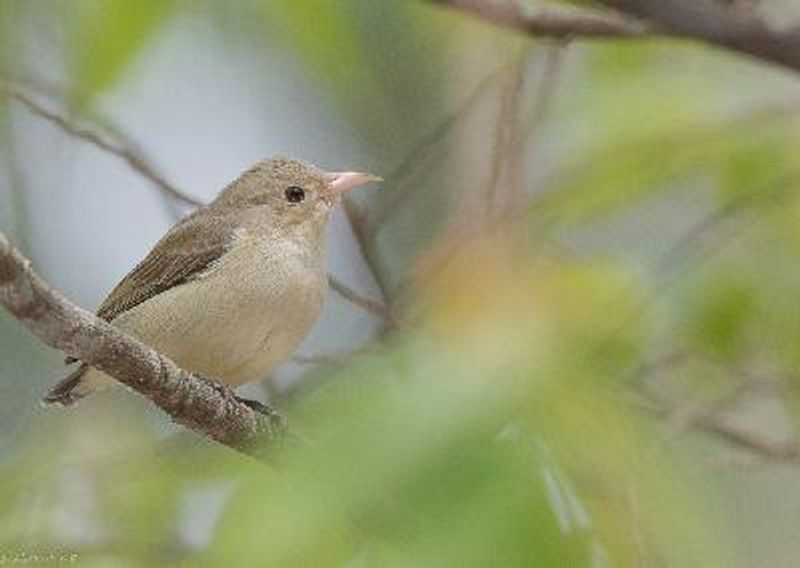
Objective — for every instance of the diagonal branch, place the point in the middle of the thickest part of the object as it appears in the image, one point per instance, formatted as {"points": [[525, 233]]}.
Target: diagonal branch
{"points": [[773, 450], [368, 249], [714, 22], [719, 425], [135, 160], [376, 308], [190, 400], [551, 20]]}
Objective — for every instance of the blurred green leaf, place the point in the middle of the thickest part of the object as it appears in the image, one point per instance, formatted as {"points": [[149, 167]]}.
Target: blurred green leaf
{"points": [[105, 36], [325, 34], [614, 179], [720, 315], [638, 124]]}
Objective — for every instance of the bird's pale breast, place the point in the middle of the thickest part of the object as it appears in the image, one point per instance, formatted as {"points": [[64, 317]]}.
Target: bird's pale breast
{"points": [[244, 316]]}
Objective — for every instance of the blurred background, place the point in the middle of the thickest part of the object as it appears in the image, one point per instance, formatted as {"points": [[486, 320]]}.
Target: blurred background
{"points": [[580, 340]]}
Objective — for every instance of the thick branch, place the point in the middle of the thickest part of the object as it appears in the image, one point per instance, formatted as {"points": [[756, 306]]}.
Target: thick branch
{"points": [[717, 23], [190, 400], [709, 21], [554, 20]]}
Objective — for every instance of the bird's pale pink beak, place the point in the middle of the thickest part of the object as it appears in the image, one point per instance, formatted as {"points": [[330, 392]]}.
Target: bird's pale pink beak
{"points": [[341, 182]]}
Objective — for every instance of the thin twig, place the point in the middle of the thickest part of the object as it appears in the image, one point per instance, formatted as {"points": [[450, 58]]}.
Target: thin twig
{"points": [[778, 451], [505, 136], [720, 426], [551, 20], [374, 307], [137, 162], [545, 88], [710, 418]]}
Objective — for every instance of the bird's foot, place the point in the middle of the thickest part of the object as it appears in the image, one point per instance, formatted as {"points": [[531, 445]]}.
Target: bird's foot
{"points": [[257, 406]]}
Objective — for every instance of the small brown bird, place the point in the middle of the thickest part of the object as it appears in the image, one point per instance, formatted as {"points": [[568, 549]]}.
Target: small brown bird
{"points": [[231, 290]]}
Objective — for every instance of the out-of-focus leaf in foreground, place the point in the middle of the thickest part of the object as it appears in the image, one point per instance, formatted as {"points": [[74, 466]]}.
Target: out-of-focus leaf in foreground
{"points": [[489, 436]]}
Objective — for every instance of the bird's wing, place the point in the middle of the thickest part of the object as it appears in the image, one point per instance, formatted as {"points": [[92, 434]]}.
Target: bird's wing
{"points": [[184, 252]]}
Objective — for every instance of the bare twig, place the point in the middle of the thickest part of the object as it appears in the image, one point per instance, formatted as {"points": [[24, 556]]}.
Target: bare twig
{"points": [[135, 160], [712, 418], [545, 88], [552, 20], [192, 401], [374, 307], [777, 451], [423, 148], [720, 426], [368, 249]]}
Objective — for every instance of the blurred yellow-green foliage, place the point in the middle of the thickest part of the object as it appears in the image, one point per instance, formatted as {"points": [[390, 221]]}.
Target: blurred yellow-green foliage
{"points": [[592, 248]]}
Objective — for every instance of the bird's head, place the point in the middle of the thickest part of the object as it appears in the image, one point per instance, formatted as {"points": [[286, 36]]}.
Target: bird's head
{"points": [[295, 192]]}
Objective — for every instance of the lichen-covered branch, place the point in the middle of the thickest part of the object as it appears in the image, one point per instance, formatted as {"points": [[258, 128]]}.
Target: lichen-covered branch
{"points": [[192, 401]]}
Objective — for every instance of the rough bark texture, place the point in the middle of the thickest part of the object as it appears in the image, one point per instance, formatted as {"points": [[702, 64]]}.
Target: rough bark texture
{"points": [[192, 401]]}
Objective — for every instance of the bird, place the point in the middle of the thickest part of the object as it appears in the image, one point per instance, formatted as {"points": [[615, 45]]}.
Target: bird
{"points": [[230, 291]]}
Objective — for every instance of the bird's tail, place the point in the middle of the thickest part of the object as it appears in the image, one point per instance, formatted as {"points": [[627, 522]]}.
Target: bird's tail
{"points": [[69, 390]]}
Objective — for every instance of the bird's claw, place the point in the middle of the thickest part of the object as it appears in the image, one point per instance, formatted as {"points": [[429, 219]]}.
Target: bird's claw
{"points": [[256, 406]]}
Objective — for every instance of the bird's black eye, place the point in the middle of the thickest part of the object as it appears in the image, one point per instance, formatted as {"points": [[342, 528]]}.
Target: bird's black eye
{"points": [[294, 194]]}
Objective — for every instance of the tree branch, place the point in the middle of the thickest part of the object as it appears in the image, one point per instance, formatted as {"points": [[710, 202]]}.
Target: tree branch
{"points": [[554, 20], [718, 425], [720, 24], [134, 159], [712, 419], [775, 451], [709, 21], [378, 309], [204, 406], [369, 251]]}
